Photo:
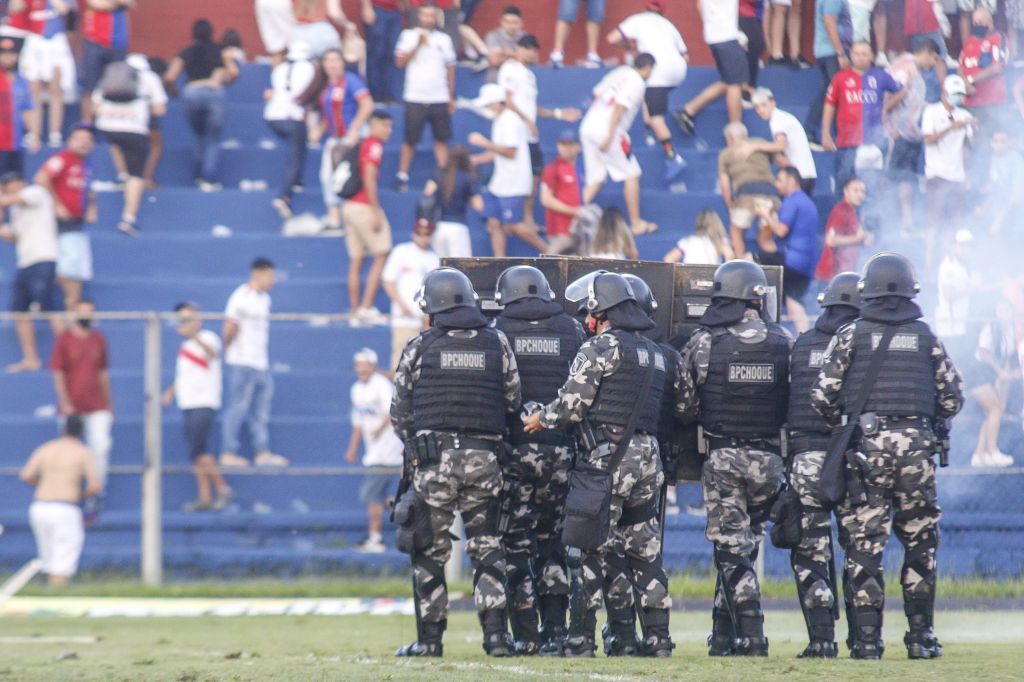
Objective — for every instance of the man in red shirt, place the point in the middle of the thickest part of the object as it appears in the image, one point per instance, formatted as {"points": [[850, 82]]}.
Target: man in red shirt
{"points": [[366, 225], [67, 176], [844, 234], [82, 382], [560, 194], [982, 62]]}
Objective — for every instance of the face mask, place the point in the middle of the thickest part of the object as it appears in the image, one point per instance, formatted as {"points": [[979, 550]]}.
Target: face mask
{"points": [[979, 31], [85, 322], [955, 100], [592, 325]]}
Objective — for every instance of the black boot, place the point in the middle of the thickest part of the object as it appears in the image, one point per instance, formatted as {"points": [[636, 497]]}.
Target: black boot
{"points": [[525, 631], [552, 609], [579, 643], [428, 642], [722, 639], [497, 641], [750, 640], [578, 646], [657, 643], [867, 644], [619, 633], [821, 631], [921, 641]]}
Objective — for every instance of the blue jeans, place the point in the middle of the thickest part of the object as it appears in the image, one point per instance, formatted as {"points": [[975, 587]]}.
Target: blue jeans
{"points": [[249, 394], [204, 109], [294, 135], [828, 67], [381, 38]]}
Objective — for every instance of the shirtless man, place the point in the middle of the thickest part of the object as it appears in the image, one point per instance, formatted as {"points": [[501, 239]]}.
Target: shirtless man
{"points": [[58, 469]]}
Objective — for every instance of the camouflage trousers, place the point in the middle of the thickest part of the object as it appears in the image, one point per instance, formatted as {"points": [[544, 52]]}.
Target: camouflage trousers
{"points": [[811, 558], [901, 496], [739, 487], [466, 481], [533, 549], [636, 483]]}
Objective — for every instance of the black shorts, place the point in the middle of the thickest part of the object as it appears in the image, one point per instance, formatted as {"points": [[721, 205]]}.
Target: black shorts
{"points": [[418, 115], [536, 159], [905, 160], [656, 100], [134, 147], [731, 60], [794, 283], [198, 422], [12, 162], [807, 185], [35, 284], [95, 58], [752, 28]]}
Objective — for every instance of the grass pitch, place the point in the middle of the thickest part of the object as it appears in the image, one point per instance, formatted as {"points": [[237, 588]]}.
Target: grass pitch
{"points": [[979, 645]]}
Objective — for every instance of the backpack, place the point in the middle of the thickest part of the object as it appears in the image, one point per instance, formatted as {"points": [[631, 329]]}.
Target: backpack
{"points": [[120, 82], [346, 179]]}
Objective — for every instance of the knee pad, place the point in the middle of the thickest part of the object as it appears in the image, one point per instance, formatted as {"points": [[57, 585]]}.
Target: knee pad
{"points": [[651, 581], [870, 578], [491, 565], [428, 575], [813, 582]]}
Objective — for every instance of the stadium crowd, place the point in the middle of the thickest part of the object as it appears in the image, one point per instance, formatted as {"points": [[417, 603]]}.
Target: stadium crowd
{"points": [[928, 133]]}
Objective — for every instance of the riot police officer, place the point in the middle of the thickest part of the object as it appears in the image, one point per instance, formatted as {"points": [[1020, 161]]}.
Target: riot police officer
{"points": [[613, 393], [916, 390], [545, 340], [454, 387], [813, 560], [735, 383]]}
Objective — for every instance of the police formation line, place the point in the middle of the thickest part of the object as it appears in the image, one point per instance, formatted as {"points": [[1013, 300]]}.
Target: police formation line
{"points": [[556, 441]]}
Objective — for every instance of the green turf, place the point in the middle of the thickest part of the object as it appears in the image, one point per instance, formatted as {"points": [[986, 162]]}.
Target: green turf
{"points": [[979, 646], [681, 586]]}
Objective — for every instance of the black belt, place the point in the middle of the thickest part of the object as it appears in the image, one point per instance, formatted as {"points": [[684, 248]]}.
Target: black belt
{"points": [[806, 441], [460, 442], [719, 442], [904, 423]]}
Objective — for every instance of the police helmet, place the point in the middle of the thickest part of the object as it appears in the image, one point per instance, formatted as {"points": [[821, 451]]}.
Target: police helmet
{"points": [[842, 290], [643, 293], [888, 274], [522, 281], [742, 280], [444, 289], [599, 291]]}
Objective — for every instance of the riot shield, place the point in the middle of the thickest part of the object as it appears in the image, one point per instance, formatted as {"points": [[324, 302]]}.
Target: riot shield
{"points": [[694, 285]]}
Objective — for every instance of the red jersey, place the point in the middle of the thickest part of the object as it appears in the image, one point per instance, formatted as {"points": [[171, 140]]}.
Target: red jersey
{"points": [[371, 152], [979, 54], [70, 176], [750, 9], [859, 100], [82, 360], [391, 5], [443, 5], [842, 222], [919, 17], [562, 178]]}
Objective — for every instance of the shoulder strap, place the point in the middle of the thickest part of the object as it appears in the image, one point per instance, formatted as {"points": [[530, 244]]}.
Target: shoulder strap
{"points": [[872, 374], [627, 433]]}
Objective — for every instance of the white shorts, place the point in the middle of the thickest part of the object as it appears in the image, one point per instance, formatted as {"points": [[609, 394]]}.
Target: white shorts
{"points": [[781, 3], [41, 57], [599, 165], [276, 20], [74, 259], [59, 534], [971, 5], [451, 240], [321, 36]]}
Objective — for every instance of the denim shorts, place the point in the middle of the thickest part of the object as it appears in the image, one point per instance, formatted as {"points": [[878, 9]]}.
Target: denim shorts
{"points": [[377, 488], [508, 210], [568, 9], [35, 284]]}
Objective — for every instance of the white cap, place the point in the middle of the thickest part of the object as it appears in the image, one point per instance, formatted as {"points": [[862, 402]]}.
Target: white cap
{"points": [[299, 50], [954, 84], [963, 236], [761, 95], [365, 355], [490, 93], [139, 62]]}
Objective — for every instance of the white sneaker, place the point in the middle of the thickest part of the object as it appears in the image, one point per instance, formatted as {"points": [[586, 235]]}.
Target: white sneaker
{"points": [[1000, 459], [56, 140], [371, 546], [981, 460], [371, 316], [882, 61]]}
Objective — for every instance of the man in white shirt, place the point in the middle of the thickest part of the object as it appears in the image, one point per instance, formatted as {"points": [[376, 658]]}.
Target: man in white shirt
{"points": [[197, 388], [371, 422], [428, 56], [512, 181], [406, 267], [33, 229], [790, 146], [947, 129], [604, 135], [721, 19], [125, 125], [246, 340], [954, 296], [287, 118], [649, 31]]}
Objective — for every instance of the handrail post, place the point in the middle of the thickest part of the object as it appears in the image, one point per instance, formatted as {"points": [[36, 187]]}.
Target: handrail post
{"points": [[152, 502]]}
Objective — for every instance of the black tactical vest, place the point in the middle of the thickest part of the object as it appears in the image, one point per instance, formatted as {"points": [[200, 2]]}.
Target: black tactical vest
{"points": [[544, 350], [667, 414], [906, 381], [746, 393], [620, 391], [805, 364], [461, 385]]}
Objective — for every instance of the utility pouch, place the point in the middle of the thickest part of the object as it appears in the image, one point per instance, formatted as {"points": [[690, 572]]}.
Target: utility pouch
{"points": [[869, 423], [786, 513], [587, 507], [412, 514], [427, 449]]}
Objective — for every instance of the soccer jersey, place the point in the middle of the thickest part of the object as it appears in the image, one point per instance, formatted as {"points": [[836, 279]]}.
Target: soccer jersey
{"points": [[38, 17], [70, 175], [107, 28], [340, 102], [979, 54], [15, 99], [859, 101]]}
